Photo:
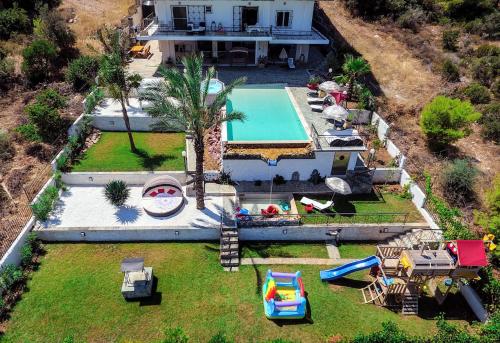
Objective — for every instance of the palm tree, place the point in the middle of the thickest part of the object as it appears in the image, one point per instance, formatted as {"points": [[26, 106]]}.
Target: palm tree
{"points": [[354, 67], [179, 102], [118, 84], [112, 73]]}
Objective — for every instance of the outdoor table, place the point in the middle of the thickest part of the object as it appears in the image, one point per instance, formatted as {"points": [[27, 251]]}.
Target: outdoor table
{"points": [[136, 49]]}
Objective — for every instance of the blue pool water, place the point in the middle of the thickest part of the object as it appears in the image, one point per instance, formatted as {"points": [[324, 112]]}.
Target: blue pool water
{"points": [[214, 86], [270, 115]]}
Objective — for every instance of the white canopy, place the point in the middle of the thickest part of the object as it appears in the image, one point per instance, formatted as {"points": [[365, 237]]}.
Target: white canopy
{"points": [[338, 185], [329, 86], [283, 55], [335, 112]]}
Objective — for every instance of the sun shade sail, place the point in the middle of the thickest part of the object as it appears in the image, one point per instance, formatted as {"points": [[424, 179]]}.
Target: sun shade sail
{"points": [[132, 265], [471, 253]]}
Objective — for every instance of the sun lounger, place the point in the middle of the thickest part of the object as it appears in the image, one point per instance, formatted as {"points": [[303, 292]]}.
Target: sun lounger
{"points": [[291, 65], [317, 205], [315, 99]]}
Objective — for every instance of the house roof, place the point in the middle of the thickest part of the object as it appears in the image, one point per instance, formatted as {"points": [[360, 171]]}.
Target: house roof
{"points": [[471, 253]]}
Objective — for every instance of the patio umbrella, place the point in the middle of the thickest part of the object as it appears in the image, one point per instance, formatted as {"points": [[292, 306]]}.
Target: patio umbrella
{"points": [[329, 86], [283, 55], [338, 185], [335, 112]]}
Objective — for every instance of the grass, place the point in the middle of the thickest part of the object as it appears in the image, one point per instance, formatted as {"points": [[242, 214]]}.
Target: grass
{"points": [[356, 250], [362, 208], [76, 291], [157, 151], [283, 250]]}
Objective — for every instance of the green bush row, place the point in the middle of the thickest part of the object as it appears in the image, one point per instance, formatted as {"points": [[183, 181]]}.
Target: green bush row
{"points": [[45, 203], [75, 145]]}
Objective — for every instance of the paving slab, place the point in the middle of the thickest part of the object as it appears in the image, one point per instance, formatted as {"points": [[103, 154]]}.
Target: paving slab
{"points": [[287, 260]]}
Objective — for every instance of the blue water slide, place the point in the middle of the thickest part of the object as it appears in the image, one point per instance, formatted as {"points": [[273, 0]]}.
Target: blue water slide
{"points": [[338, 272]]}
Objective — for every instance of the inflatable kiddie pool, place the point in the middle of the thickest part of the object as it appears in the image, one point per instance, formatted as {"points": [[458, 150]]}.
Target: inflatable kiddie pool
{"points": [[162, 196]]}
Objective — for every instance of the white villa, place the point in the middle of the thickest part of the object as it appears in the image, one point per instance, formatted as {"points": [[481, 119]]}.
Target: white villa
{"points": [[233, 32]]}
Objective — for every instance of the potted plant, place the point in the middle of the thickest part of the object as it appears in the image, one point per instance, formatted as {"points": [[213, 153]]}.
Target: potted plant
{"points": [[313, 83]]}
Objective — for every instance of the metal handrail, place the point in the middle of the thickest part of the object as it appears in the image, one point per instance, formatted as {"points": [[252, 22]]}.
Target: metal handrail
{"points": [[326, 219]]}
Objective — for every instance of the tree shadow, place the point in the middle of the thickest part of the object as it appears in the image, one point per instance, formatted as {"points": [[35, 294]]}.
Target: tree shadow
{"points": [[266, 250], [127, 214], [153, 300], [152, 162]]}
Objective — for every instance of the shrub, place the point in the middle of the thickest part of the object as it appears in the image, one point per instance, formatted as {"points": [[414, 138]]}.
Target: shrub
{"points": [[458, 180], [450, 40], [26, 255], [490, 122], [41, 151], [220, 337], [486, 69], [485, 50], [52, 26], [63, 162], [9, 276], [366, 100], [6, 70], [46, 119], [468, 9], [38, 58], [450, 71], [117, 192], [51, 98], [412, 19], [477, 93], [13, 20], [495, 88], [390, 332], [175, 335], [7, 150], [93, 99], [43, 206], [279, 180], [29, 132], [445, 120], [82, 72]]}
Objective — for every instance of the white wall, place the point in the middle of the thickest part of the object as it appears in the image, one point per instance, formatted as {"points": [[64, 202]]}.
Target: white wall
{"points": [[222, 11], [131, 178], [256, 169], [116, 123], [386, 175]]}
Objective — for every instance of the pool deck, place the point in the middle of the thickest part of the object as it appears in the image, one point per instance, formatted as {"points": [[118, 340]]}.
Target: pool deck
{"points": [[86, 207]]}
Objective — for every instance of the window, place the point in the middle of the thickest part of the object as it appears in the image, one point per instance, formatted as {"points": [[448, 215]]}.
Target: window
{"points": [[208, 9], [283, 18], [179, 14]]}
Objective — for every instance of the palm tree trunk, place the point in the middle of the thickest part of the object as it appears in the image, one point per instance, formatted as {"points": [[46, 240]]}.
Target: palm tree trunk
{"points": [[127, 124], [199, 148]]}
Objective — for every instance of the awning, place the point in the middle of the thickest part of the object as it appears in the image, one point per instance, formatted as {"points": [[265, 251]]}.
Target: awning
{"points": [[132, 265], [471, 253]]}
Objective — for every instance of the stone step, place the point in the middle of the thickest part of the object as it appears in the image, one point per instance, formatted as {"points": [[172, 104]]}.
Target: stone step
{"points": [[232, 262], [231, 269], [229, 247], [232, 233], [226, 228], [229, 254], [225, 240]]}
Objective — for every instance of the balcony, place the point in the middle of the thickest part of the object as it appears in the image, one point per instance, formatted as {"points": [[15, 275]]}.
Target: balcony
{"points": [[154, 30]]}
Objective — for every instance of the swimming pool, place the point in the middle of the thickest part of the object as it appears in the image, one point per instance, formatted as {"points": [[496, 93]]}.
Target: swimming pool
{"points": [[270, 116]]}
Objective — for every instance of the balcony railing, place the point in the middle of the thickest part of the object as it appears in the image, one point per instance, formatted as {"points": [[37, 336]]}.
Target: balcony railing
{"points": [[337, 139]]}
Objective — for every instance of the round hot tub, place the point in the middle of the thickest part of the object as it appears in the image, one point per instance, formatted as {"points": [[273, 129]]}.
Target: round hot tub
{"points": [[162, 196], [215, 86]]}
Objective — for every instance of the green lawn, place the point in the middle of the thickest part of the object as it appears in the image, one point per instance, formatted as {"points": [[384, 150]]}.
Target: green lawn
{"points": [[157, 151], [356, 250], [76, 291], [283, 250], [362, 209]]}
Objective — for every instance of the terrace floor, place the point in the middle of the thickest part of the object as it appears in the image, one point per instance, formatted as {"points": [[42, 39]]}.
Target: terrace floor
{"points": [[86, 207], [76, 292]]}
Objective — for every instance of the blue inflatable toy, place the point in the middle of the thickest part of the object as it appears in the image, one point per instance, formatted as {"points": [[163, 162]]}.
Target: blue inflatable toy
{"points": [[283, 296]]}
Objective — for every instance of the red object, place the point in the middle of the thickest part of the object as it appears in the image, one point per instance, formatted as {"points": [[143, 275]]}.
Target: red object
{"points": [[301, 286], [339, 96], [471, 253], [309, 208], [271, 210], [312, 86], [161, 190], [153, 193], [171, 191]]}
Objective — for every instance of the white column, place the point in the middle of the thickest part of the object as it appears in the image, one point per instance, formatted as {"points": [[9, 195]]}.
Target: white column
{"points": [[352, 161], [302, 49]]}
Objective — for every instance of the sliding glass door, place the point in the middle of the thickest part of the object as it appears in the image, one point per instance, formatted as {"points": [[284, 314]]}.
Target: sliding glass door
{"points": [[179, 16]]}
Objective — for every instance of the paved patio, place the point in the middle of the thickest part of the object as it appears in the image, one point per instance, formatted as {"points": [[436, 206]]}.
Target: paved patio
{"points": [[86, 207]]}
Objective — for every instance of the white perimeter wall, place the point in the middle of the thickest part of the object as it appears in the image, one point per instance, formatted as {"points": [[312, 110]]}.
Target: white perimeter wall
{"points": [[131, 178]]}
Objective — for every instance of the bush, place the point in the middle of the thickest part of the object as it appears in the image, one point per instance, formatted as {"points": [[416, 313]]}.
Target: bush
{"points": [[41, 151], [43, 206], [38, 60], [390, 332], [175, 335], [46, 119], [445, 120], [220, 337], [26, 255], [485, 50], [52, 26], [29, 132], [490, 122], [486, 69], [477, 93], [117, 192], [7, 150], [6, 70], [51, 98], [450, 40], [82, 72], [93, 99], [468, 9], [9, 276], [366, 100], [412, 19], [13, 20], [495, 88], [450, 71], [458, 180]]}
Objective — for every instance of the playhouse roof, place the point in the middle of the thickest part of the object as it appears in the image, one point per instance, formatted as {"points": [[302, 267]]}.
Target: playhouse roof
{"points": [[471, 253]]}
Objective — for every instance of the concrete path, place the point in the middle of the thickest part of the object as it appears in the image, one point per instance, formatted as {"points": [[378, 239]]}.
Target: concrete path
{"points": [[333, 251], [286, 260]]}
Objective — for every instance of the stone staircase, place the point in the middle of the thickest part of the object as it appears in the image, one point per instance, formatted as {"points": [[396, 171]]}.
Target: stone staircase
{"points": [[229, 249], [410, 300], [415, 238]]}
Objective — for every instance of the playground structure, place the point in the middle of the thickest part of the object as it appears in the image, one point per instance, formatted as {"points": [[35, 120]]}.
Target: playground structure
{"points": [[283, 296], [403, 271]]}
